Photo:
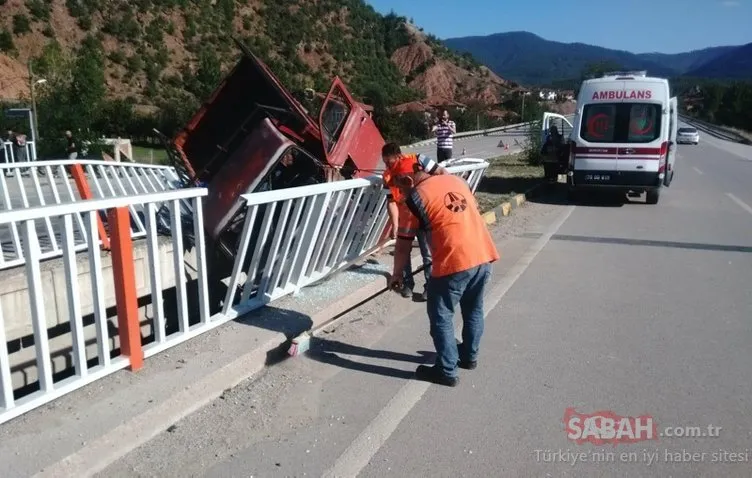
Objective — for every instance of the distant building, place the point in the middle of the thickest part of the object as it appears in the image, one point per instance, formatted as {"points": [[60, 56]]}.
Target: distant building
{"points": [[547, 95]]}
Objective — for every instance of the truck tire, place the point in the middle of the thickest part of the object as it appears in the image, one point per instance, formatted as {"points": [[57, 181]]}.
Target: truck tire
{"points": [[652, 196]]}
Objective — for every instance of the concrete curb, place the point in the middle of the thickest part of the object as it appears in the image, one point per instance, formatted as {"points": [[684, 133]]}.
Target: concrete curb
{"points": [[506, 208], [108, 448]]}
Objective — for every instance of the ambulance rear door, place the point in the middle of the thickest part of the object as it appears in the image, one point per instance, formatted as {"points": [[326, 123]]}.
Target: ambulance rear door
{"points": [[673, 131]]}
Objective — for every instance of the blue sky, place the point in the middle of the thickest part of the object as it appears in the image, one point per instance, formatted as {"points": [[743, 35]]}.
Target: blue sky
{"points": [[640, 26]]}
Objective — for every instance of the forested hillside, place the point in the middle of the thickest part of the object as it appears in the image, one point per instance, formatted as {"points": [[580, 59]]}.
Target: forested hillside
{"points": [[124, 67]]}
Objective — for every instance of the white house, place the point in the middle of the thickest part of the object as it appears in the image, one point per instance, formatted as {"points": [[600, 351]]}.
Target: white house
{"points": [[546, 95]]}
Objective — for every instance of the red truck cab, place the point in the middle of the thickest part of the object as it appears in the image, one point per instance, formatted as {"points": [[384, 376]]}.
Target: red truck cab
{"points": [[252, 135]]}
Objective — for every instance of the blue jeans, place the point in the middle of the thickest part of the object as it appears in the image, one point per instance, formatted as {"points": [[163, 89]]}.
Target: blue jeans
{"points": [[425, 252], [444, 293]]}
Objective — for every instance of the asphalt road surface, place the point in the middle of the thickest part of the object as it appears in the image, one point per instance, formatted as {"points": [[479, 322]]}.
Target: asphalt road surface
{"points": [[604, 307], [482, 147]]}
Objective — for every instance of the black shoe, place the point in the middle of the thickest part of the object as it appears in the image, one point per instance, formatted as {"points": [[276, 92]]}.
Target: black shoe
{"points": [[433, 375], [407, 292], [469, 365], [424, 296]]}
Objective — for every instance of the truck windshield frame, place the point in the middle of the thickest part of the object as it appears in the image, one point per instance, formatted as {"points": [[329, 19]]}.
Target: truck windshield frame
{"points": [[636, 123]]}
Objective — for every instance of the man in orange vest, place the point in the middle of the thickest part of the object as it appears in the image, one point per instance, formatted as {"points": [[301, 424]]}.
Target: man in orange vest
{"points": [[396, 164], [462, 251]]}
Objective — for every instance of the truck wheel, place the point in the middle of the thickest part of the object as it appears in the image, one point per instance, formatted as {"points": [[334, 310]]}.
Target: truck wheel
{"points": [[652, 196]]}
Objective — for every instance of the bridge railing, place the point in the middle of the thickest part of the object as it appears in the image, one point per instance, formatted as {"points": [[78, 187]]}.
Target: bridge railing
{"points": [[16, 154], [31, 184], [292, 238], [289, 239], [95, 346]]}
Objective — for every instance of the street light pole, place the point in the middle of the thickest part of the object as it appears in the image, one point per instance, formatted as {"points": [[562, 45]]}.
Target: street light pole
{"points": [[35, 128]]}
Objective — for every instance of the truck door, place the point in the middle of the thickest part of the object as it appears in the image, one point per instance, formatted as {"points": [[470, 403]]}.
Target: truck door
{"points": [[351, 141], [673, 128]]}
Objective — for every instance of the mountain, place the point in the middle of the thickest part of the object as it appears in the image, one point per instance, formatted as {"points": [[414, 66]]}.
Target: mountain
{"points": [[683, 63], [159, 51], [733, 64], [527, 58]]}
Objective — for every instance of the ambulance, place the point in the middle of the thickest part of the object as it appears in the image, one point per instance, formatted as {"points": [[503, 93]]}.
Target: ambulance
{"points": [[623, 137]]}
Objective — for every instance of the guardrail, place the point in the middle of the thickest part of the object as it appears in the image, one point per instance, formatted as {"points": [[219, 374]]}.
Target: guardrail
{"points": [[469, 134], [303, 234], [16, 154], [714, 130], [290, 239], [97, 348], [39, 183]]}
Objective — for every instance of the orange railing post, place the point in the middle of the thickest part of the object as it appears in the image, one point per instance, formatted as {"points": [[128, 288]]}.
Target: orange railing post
{"points": [[129, 327], [77, 171]]}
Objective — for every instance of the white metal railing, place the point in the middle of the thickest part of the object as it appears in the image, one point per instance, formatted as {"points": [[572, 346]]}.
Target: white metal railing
{"points": [[719, 132], [87, 343], [31, 184], [16, 154], [294, 237], [290, 238]]}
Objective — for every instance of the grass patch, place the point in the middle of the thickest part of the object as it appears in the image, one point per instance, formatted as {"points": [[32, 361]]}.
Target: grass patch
{"points": [[505, 177], [142, 154]]}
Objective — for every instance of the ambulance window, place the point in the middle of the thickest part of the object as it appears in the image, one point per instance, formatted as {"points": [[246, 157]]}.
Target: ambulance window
{"points": [[643, 123], [621, 123], [598, 123]]}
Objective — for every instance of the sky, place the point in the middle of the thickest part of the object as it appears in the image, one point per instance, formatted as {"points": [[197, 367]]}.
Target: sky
{"points": [[639, 26]]}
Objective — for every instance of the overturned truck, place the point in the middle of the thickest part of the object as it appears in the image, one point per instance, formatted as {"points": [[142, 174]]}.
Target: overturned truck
{"points": [[252, 135]]}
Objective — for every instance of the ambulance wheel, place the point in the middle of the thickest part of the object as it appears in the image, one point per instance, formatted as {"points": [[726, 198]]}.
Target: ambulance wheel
{"points": [[573, 195], [669, 178], [652, 196]]}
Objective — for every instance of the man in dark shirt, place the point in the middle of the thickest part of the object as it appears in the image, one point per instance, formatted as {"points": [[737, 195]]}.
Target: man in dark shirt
{"points": [[72, 145]]}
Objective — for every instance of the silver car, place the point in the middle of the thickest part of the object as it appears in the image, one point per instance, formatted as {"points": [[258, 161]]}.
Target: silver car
{"points": [[688, 135]]}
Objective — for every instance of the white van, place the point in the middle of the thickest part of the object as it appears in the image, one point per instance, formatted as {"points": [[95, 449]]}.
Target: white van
{"points": [[624, 135]]}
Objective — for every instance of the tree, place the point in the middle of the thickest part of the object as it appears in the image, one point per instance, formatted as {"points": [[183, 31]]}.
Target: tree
{"points": [[21, 24], [88, 84], [208, 74], [6, 41], [599, 68]]}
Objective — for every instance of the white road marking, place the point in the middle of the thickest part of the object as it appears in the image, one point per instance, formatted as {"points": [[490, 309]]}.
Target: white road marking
{"points": [[698, 170], [741, 203], [372, 438]]}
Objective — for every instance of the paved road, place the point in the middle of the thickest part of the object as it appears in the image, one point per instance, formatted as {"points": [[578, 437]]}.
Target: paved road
{"points": [[636, 309], [482, 147]]}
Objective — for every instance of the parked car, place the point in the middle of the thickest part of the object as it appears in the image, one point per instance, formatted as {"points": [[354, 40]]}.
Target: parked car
{"points": [[688, 135]]}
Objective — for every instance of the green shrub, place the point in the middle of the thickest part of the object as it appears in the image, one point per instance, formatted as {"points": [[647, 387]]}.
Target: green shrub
{"points": [[21, 24]]}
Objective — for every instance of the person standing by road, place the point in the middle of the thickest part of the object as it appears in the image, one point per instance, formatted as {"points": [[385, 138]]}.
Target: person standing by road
{"points": [[462, 250], [397, 163], [444, 130], [72, 148]]}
